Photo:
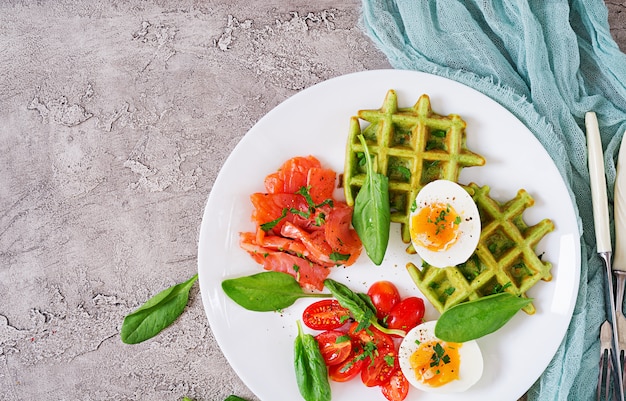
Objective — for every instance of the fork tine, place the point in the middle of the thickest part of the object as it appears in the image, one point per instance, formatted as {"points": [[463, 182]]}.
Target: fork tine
{"points": [[600, 376], [606, 363]]}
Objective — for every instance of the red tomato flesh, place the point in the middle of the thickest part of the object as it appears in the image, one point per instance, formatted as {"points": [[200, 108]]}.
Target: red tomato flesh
{"points": [[350, 368], [379, 368], [397, 388], [370, 336], [384, 296], [335, 346], [406, 314], [326, 314], [380, 354]]}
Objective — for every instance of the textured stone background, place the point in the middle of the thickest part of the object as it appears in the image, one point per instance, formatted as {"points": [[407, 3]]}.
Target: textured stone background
{"points": [[115, 118]]}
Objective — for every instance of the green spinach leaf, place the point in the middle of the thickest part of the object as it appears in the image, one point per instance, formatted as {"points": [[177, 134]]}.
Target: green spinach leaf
{"points": [[157, 313], [474, 319], [266, 291], [371, 217], [311, 371]]}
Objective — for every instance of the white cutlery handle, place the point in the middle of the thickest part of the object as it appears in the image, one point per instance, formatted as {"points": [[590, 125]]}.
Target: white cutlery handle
{"points": [[598, 184], [619, 210]]}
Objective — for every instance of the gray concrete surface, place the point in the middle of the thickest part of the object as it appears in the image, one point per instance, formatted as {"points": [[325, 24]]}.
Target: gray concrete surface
{"points": [[115, 118]]}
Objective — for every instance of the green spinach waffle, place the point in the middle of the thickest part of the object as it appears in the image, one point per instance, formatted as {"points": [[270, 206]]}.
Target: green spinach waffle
{"points": [[505, 259], [411, 146]]}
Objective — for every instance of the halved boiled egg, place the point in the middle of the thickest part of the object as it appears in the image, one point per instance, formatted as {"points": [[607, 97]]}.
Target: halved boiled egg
{"points": [[444, 224], [436, 366]]}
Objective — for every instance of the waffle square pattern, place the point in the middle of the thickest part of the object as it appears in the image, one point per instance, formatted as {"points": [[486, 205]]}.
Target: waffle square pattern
{"points": [[411, 146], [505, 259]]}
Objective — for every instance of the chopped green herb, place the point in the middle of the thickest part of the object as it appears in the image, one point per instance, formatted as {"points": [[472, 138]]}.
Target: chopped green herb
{"points": [[271, 224], [402, 171], [450, 290], [498, 288], [338, 257], [343, 339], [438, 356], [320, 219], [361, 157]]}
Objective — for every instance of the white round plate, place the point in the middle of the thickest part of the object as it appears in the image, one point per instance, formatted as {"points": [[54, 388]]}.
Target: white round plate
{"points": [[259, 345]]}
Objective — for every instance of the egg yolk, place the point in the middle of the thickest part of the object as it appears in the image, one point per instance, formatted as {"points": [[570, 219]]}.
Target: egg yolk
{"points": [[436, 226], [436, 362]]}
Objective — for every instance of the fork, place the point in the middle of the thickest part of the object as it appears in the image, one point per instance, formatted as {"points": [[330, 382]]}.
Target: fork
{"points": [[620, 277], [606, 363], [619, 260]]}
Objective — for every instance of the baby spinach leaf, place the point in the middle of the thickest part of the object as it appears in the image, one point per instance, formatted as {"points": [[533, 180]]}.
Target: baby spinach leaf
{"points": [[157, 313], [474, 319], [266, 291], [371, 217], [311, 371], [234, 398]]}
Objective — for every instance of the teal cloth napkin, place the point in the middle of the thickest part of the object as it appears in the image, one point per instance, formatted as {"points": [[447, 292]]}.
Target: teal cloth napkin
{"points": [[548, 62]]}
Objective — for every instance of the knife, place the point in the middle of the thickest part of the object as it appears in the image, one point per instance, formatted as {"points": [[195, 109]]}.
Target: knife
{"points": [[619, 258], [602, 228], [619, 210]]}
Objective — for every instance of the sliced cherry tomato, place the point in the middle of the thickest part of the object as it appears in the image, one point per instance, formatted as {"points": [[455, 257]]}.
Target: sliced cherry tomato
{"points": [[326, 314], [350, 368], [379, 354], [379, 368], [370, 338], [335, 346], [406, 314], [397, 388], [384, 296]]}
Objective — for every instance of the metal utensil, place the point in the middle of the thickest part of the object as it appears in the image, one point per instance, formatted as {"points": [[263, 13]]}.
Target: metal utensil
{"points": [[619, 259], [621, 320], [602, 229], [606, 363]]}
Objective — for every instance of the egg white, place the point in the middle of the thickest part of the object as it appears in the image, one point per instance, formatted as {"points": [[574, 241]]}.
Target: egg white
{"points": [[470, 368], [448, 192]]}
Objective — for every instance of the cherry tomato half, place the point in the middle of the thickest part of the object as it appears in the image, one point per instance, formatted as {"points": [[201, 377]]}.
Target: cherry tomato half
{"points": [[384, 296], [326, 314], [370, 338], [335, 346], [350, 368], [397, 388], [379, 357], [407, 314], [379, 368]]}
